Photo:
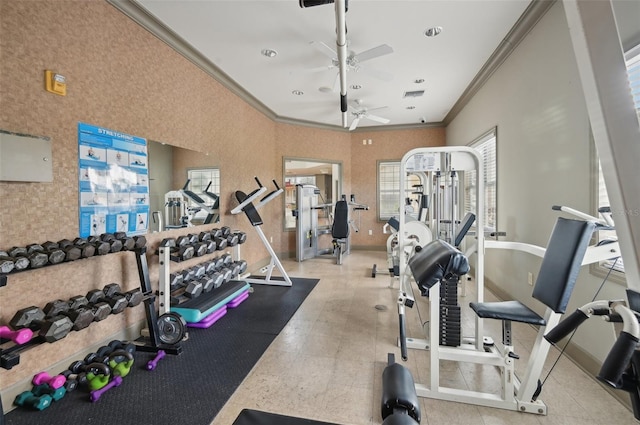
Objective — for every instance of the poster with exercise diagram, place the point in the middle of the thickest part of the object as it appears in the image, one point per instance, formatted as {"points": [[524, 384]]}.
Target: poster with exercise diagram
{"points": [[113, 181]]}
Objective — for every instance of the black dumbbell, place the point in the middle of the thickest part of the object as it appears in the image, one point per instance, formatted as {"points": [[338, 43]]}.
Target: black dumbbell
{"points": [[74, 380], [36, 258], [86, 249], [115, 245], [7, 264], [242, 237], [207, 283], [95, 370], [226, 274], [117, 302], [218, 279], [211, 246], [51, 329], [226, 260], [221, 242], [99, 310], [19, 263], [179, 248], [175, 280], [232, 239], [226, 231], [140, 240], [75, 309], [216, 233], [101, 247], [128, 244], [200, 249], [204, 236], [71, 252], [243, 266], [54, 254], [133, 297]]}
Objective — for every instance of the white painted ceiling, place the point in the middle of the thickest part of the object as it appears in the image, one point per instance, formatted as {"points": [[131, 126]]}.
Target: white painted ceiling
{"points": [[230, 35]]}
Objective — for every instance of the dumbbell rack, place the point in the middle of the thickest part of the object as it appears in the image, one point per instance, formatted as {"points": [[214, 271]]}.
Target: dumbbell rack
{"points": [[152, 342]]}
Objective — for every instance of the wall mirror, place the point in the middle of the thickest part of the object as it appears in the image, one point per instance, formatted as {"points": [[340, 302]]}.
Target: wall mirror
{"points": [[325, 175], [184, 188]]}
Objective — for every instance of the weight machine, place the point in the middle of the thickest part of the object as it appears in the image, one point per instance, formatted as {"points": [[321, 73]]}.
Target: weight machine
{"points": [[178, 213], [246, 205], [309, 232]]}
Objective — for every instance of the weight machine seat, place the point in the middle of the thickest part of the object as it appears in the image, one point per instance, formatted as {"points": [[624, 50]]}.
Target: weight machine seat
{"points": [[558, 272], [249, 209], [340, 227], [436, 261], [193, 196]]}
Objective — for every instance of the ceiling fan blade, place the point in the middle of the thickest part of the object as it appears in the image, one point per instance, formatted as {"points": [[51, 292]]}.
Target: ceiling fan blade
{"points": [[336, 83], [316, 69], [375, 52], [377, 118], [354, 123], [324, 49]]}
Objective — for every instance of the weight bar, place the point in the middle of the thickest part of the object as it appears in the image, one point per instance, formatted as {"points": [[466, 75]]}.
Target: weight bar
{"points": [[50, 329]]}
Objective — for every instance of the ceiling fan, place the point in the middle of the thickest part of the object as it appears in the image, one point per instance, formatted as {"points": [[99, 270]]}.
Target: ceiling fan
{"points": [[360, 112], [354, 61]]}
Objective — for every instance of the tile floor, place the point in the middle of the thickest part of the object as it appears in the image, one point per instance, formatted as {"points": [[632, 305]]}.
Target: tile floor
{"points": [[327, 363]]}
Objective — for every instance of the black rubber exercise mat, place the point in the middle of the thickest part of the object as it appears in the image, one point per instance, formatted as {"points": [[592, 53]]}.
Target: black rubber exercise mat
{"points": [[192, 387], [257, 417]]}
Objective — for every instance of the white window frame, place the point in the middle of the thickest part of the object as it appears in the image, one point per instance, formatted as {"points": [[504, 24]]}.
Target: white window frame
{"points": [[487, 144], [388, 187], [199, 178], [600, 191]]}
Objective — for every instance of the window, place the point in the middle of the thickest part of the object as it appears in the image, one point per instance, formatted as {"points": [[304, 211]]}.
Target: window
{"points": [[200, 178], [486, 144], [633, 70], [389, 186]]}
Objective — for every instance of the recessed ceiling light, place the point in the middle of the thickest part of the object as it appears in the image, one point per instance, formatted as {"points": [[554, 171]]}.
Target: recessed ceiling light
{"points": [[411, 107], [297, 92], [419, 80], [269, 53], [356, 86], [325, 89], [432, 32]]}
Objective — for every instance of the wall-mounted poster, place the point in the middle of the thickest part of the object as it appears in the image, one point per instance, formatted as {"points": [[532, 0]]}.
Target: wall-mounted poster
{"points": [[114, 182]]}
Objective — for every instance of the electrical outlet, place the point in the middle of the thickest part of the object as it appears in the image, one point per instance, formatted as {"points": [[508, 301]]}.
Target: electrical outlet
{"points": [[370, 232], [530, 278], [271, 239]]}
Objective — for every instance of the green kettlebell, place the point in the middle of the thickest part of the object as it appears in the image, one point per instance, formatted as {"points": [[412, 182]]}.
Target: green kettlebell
{"points": [[121, 362], [98, 375]]}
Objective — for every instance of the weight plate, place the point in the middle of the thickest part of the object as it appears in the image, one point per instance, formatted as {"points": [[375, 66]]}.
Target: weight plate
{"points": [[171, 328]]}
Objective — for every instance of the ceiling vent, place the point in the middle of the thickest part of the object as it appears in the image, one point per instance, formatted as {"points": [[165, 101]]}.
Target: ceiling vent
{"points": [[415, 93]]}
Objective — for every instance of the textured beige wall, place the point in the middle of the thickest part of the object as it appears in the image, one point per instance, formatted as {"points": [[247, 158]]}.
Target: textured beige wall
{"points": [[121, 77]]}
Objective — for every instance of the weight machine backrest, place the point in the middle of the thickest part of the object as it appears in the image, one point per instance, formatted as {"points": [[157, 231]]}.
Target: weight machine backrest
{"points": [[561, 262], [249, 209], [340, 228]]}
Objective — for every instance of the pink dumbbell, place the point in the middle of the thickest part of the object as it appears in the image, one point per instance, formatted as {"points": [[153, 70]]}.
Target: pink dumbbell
{"points": [[54, 382], [19, 337]]}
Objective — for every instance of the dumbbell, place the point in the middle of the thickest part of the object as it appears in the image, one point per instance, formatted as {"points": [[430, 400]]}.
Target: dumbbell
{"points": [[207, 283], [7, 264], [175, 280], [54, 382], [86, 249], [242, 237], [73, 380], [140, 241], [115, 245], [51, 329], [117, 302], [128, 243], [121, 345], [97, 374], [98, 311], [218, 279], [219, 263], [153, 363], [211, 246], [227, 260], [96, 394], [19, 263], [179, 248], [204, 236], [79, 314], [101, 247], [53, 251], [221, 242], [232, 239], [19, 337], [70, 251], [243, 266], [235, 269], [200, 248], [210, 267], [226, 274], [36, 258], [28, 399], [133, 297], [226, 231], [191, 289], [56, 394]]}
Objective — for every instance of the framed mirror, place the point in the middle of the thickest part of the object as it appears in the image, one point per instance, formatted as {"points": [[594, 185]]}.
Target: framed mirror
{"points": [[184, 188], [324, 174]]}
